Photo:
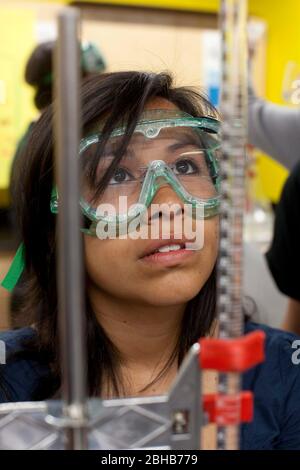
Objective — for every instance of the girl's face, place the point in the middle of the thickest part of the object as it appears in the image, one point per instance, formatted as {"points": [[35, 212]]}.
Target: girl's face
{"points": [[132, 270]]}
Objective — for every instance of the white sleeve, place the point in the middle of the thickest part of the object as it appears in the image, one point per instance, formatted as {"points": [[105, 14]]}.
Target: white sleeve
{"points": [[274, 129]]}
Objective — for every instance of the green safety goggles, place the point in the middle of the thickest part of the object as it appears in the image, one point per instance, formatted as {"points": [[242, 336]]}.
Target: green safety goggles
{"points": [[168, 148]]}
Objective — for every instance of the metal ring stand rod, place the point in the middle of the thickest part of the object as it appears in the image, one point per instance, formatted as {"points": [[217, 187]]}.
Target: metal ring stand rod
{"points": [[69, 262], [233, 26]]}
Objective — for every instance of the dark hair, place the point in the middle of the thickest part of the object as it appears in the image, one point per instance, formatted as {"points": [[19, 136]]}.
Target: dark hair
{"points": [[39, 69], [37, 72], [112, 98]]}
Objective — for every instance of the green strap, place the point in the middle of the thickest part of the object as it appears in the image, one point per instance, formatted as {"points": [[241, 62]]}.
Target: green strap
{"points": [[15, 270], [47, 79]]}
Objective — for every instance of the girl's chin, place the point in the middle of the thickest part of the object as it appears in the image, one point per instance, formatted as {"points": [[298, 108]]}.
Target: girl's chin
{"points": [[170, 296]]}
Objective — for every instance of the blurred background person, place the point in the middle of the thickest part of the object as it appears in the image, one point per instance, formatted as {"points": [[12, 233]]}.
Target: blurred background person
{"points": [[275, 130], [39, 74], [283, 257]]}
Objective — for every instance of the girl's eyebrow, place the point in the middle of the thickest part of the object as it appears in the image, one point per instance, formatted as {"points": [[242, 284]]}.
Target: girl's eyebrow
{"points": [[181, 141], [180, 145], [110, 153], [186, 139]]}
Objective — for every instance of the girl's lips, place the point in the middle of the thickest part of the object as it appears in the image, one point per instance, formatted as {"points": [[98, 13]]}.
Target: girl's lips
{"points": [[171, 258]]}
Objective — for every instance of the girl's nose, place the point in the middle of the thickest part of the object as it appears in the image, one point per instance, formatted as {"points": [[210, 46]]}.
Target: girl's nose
{"points": [[166, 204], [166, 195]]}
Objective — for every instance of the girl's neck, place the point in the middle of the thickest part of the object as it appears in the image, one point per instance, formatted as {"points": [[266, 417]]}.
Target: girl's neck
{"points": [[145, 337]]}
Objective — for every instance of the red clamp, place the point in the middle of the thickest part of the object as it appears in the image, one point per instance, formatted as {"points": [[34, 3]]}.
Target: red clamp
{"points": [[232, 355], [227, 410]]}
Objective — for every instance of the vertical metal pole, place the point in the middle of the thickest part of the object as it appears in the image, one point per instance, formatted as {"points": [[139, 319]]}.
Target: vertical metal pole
{"points": [[233, 24], [70, 265]]}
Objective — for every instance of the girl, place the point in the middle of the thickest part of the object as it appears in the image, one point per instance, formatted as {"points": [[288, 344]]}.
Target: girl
{"points": [[147, 300]]}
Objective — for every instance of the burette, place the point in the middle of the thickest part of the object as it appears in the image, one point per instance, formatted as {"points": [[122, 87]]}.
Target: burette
{"points": [[233, 108]]}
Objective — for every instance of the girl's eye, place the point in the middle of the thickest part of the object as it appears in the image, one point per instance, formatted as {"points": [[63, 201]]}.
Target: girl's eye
{"points": [[186, 167], [121, 175]]}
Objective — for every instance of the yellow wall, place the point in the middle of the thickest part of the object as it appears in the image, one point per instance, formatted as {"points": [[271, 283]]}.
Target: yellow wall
{"points": [[283, 45], [202, 5], [193, 5], [16, 30], [282, 17]]}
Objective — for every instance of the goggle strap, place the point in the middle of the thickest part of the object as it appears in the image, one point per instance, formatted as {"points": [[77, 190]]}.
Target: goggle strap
{"points": [[15, 270]]}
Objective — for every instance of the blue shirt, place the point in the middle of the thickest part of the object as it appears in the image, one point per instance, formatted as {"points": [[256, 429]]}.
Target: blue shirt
{"points": [[275, 384]]}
